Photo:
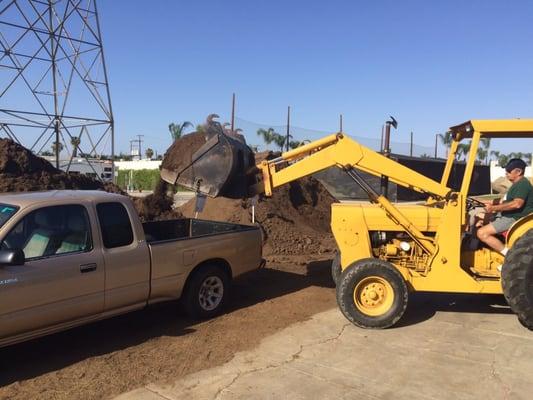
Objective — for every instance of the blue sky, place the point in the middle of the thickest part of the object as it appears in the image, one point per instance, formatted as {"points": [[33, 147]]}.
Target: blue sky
{"points": [[430, 64]]}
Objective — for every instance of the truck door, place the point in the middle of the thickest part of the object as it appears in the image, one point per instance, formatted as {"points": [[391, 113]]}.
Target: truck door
{"points": [[127, 258], [63, 276]]}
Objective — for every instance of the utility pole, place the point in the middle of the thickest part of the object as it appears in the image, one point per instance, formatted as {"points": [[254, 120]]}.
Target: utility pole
{"points": [[436, 143], [340, 123], [411, 147], [131, 146], [288, 127], [233, 113]]}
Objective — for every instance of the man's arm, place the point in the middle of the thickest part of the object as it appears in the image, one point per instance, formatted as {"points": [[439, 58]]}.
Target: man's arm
{"points": [[514, 204]]}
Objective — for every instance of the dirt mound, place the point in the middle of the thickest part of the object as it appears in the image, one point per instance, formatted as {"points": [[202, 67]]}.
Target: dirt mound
{"points": [[295, 220], [23, 171], [158, 205]]}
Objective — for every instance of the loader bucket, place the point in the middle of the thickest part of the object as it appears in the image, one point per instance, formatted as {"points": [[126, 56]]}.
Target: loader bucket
{"points": [[214, 167]]}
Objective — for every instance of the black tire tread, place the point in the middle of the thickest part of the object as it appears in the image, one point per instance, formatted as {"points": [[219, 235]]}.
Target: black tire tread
{"points": [[361, 269], [190, 292], [336, 270], [517, 279]]}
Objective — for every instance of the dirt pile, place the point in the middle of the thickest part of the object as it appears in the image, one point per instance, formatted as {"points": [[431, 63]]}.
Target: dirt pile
{"points": [[295, 220], [23, 171], [158, 205]]}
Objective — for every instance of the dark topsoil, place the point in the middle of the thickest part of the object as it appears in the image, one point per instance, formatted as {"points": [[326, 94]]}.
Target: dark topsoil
{"points": [[23, 171], [295, 221]]}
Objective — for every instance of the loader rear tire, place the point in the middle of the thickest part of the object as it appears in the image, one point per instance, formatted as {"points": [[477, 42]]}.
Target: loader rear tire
{"points": [[372, 293], [517, 279], [336, 270]]}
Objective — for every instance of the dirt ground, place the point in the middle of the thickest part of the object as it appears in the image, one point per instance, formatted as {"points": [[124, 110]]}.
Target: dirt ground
{"points": [[159, 344]]}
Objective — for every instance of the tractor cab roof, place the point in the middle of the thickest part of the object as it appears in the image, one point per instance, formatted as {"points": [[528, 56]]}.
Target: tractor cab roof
{"points": [[495, 128]]}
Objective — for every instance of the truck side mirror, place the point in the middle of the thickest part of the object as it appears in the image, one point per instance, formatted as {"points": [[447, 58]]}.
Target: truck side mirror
{"points": [[12, 257]]}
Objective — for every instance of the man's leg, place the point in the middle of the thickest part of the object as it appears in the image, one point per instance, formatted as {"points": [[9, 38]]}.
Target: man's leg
{"points": [[486, 235]]}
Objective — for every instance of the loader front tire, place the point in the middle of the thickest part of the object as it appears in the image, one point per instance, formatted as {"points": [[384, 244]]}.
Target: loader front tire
{"points": [[517, 279], [372, 293], [336, 270]]}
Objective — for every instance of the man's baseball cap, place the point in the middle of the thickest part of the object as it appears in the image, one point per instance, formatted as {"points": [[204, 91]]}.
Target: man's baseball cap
{"points": [[515, 163]]}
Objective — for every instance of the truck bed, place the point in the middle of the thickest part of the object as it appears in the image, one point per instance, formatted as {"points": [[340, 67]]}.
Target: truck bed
{"points": [[186, 228]]}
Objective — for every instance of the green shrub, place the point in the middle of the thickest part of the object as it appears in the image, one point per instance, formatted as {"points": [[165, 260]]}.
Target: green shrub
{"points": [[143, 179]]}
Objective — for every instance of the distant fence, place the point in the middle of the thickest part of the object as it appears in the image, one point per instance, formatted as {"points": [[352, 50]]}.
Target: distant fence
{"points": [[249, 129]]}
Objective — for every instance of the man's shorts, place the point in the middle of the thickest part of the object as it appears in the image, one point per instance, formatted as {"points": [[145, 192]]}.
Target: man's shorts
{"points": [[501, 224]]}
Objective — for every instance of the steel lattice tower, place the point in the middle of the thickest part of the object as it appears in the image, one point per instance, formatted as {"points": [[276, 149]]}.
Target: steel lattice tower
{"points": [[53, 78]]}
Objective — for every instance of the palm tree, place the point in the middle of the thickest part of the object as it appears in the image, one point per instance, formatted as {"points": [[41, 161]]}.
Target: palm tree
{"points": [[268, 135], [462, 150], [200, 128], [446, 140], [503, 159], [280, 141], [75, 142], [149, 153], [483, 149], [495, 153], [176, 130]]}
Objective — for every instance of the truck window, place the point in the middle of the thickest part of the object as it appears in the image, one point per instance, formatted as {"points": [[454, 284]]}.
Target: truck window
{"points": [[51, 231], [115, 225]]}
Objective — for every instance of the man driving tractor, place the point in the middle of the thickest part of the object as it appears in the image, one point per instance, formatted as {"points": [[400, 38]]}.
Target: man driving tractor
{"points": [[516, 203]]}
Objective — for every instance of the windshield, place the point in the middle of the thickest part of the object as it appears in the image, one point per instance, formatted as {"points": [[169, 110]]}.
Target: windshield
{"points": [[6, 212]]}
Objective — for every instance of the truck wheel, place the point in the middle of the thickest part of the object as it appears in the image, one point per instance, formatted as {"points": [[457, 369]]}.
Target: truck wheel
{"points": [[517, 279], [371, 293], [336, 270], [206, 292]]}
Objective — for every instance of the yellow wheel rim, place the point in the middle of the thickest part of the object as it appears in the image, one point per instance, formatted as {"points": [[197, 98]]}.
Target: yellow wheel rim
{"points": [[373, 296]]}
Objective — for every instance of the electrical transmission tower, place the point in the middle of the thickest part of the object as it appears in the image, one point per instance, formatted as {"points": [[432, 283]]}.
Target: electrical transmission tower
{"points": [[54, 92]]}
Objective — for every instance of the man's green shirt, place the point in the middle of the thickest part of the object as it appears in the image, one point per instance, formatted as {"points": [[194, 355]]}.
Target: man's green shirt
{"points": [[521, 189]]}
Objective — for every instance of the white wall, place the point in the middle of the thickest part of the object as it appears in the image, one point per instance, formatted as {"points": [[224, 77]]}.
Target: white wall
{"points": [[496, 171], [138, 164]]}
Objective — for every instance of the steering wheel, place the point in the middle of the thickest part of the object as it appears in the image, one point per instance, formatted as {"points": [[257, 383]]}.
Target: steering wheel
{"points": [[472, 203]]}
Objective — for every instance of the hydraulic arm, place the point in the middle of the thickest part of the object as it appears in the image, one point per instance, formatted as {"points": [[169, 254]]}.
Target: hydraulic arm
{"points": [[341, 151]]}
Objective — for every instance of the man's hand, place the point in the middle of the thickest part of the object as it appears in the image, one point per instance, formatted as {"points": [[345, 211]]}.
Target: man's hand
{"points": [[489, 207]]}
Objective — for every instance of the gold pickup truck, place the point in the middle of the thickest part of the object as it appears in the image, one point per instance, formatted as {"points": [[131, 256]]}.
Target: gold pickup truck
{"points": [[71, 257]]}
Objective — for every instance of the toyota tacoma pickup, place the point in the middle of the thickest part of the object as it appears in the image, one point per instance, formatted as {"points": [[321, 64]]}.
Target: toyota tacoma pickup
{"points": [[72, 257]]}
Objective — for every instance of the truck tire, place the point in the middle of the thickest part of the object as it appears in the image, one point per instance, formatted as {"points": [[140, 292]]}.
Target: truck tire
{"points": [[336, 270], [206, 292], [517, 279], [372, 293]]}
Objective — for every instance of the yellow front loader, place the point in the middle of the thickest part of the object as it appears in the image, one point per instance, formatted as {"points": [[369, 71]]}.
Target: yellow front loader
{"points": [[387, 250]]}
